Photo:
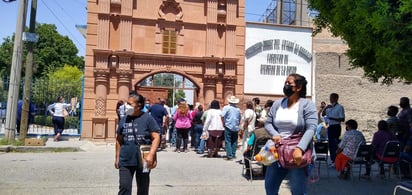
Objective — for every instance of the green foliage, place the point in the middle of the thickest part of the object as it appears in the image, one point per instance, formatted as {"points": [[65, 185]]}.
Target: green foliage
{"points": [[43, 120], [52, 51], [69, 122], [378, 34], [65, 81]]}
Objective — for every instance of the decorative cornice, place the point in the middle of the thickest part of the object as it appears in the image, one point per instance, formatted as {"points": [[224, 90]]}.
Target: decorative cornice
{"points": [[101, 75]]}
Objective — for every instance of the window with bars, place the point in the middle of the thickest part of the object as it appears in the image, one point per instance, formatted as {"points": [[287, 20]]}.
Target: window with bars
{"points": [[169, 41]]}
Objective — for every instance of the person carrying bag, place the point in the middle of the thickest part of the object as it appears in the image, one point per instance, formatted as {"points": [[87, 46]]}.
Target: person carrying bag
{"points": [[291, 122], [137, 140]]}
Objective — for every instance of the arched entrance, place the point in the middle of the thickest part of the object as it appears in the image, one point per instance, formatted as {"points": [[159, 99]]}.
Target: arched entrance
{"points": [[170, 86]]}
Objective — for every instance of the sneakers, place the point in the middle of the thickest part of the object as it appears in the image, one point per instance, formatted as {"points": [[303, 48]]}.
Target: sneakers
{"points": [[331, 165]]}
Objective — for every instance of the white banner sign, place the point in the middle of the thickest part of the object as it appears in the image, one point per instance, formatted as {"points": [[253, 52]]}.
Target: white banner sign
{"points": [[274, 52]]}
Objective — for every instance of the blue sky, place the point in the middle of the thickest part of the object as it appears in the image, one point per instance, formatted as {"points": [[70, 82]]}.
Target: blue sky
{"points": [[65, 14]]}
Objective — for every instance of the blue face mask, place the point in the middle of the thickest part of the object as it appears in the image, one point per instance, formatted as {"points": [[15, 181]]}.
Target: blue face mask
{"points": [[147, 105]]}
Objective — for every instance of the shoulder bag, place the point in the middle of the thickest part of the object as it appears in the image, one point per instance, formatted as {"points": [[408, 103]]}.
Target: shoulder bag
{"points": [[285, 149], [143, 151]]}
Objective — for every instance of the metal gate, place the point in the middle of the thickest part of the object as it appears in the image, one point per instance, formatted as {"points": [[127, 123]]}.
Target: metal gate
{"points": [[43, 94]]}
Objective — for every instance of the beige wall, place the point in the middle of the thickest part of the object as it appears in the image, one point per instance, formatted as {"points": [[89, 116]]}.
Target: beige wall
{"points": [[364, 101]]}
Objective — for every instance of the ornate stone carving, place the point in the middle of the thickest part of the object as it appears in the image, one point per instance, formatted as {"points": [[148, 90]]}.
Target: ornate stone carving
{"points": [[102, 75], [168, 5], [100, 107], [124, 76]]}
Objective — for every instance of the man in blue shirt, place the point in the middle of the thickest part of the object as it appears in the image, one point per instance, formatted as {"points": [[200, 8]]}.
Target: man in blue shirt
{"points": [[30, 115], [158, 112], [231, 119]]}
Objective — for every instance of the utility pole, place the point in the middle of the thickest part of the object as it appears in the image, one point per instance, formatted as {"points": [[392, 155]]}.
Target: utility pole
{"points": [[25, 111], [15, 74]]}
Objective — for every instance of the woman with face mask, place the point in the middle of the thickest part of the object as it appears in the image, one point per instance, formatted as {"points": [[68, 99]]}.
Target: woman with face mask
{"points": [[136, 129], [291, 115]]}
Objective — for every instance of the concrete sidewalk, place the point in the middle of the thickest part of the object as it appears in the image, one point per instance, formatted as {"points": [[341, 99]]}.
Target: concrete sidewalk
{"points": [[91, 171]]}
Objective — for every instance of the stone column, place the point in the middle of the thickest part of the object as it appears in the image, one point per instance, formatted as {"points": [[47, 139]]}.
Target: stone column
{"points": [[124, 83], [209, 88], [99, 120]]}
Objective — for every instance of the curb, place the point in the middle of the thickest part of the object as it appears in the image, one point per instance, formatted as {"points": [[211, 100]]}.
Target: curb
{"points": [[34, 149]]}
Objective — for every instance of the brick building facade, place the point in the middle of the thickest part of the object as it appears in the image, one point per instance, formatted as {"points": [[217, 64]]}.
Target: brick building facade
{"points": [[129, 40]]}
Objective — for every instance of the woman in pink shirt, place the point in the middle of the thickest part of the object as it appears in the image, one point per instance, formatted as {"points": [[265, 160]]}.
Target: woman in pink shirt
{"points": [[183, 120]]}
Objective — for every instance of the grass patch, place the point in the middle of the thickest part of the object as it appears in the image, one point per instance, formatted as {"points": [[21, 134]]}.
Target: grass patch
{"points": [[16, 142]]}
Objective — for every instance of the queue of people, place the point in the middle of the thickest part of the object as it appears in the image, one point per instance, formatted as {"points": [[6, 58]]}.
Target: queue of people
{"points": [[214, 128]]}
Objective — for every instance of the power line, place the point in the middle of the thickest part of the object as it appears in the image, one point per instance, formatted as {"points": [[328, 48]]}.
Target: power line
{"points": [[64, 26]]}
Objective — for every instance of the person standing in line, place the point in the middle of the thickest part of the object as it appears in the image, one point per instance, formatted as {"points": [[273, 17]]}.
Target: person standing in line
{"points": [[249, 120], [161, 116], [393, 121], [257, 108], [137, 128], [120, 109], [213, 127], [405, 120], [198, 126], [183, 123], [30, 115], [264, 114], [291, 115], [335, 114], [58, 111], [231, 118]]}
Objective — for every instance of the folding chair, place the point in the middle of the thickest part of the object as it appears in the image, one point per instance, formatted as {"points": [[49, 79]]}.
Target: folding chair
{"points": [[251, 161], [404, 185], [363, 157], [390, 156], [322, 154]]}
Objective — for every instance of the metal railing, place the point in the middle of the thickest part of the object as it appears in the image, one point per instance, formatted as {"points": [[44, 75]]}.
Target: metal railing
{"points": [[44, 94]]}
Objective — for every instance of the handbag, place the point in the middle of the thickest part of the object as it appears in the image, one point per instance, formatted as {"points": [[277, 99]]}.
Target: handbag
{"points": [[285, 149], [144, 151]]}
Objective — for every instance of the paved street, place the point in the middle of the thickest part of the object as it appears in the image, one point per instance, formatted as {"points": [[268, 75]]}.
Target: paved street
{"points": [[92, 172]]}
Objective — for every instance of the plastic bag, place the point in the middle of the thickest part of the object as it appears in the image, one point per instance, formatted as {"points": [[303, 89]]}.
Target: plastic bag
{"points": [[267, 154], [205, 135]]}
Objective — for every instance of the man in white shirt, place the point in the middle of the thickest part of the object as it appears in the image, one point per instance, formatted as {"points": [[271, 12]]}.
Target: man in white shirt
{"points": [[335, 114]]}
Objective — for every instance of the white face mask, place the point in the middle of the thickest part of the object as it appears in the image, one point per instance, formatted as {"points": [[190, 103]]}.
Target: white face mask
{"points": [[129, 109]]}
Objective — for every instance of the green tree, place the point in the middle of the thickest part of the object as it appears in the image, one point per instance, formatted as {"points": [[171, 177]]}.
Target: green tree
{"points": [[50, 52], [65, 81], [378, 34]]}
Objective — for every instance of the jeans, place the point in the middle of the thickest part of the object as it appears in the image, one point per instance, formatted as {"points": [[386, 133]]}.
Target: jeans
{"points": [[126, 180], [201, 148], [58, 123], [275, 174], [230, 143], [198, 129], [333, 139]]}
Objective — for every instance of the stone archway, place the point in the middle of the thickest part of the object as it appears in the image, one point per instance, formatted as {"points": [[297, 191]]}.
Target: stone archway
{"points": [[166, 85]]}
